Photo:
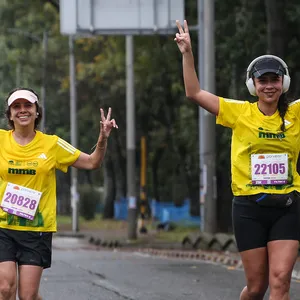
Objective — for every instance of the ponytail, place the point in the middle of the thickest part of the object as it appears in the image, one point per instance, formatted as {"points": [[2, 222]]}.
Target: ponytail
{"points": [[282, 106]]}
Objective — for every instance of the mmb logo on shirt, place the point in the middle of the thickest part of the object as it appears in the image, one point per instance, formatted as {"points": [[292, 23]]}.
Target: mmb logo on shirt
{"points": [[21, 171], [265, 134]]}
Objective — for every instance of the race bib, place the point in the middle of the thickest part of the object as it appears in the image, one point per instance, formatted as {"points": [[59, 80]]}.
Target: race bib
{"points": [[20, 201], [269, 168]]}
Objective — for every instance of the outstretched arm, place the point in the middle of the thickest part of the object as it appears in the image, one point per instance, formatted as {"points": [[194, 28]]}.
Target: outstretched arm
{"points": [[208, 101], [94, 160]]}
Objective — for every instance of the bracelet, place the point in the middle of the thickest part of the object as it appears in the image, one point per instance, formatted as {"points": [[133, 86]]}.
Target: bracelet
{"points": [[99, 147]]}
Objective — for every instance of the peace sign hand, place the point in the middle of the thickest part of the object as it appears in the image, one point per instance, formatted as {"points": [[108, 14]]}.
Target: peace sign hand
{"points": [[106, 124], [182, 38]]}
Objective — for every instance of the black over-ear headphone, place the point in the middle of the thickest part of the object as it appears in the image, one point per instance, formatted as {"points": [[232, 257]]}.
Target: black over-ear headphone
{"points": [[286, 77]]}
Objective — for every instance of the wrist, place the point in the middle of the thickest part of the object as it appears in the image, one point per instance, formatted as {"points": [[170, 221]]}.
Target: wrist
{"points": [[101, 144], [188, 52]]}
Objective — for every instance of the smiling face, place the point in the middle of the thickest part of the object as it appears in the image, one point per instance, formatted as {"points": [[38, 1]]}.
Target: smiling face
{"points": [[23, 113], [268, 87]]}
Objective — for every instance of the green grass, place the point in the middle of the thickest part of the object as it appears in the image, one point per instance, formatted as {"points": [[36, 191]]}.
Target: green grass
{"points": [[62, 220], [178, 234], [64, 223]]}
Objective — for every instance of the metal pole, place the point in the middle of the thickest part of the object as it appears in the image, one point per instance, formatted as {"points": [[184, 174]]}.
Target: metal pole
{"points": [[201, 111], [130, 140], [43, 90], [143, 193], [73, 118], [208, 131]]}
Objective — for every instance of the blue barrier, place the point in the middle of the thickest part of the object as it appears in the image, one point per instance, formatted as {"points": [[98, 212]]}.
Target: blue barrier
{"points": [[161, 211], [120, 209]]}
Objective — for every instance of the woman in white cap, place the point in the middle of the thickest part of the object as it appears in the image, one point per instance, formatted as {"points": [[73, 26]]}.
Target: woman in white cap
{"points": [[29, 159], [265, 182]]}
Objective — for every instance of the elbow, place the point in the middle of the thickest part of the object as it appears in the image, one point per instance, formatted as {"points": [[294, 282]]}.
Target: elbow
{"points": [[95, 166], [191, 97], [94, 163], [192, 94]]}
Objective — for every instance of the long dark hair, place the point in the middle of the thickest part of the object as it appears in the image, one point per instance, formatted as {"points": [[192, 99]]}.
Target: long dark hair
{"points": [[283, 105], [39, 109]]}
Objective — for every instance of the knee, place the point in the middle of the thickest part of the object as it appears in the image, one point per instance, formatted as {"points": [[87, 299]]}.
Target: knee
{"points": [[7, 289], [256, 293], [39, 297], [29, 296], [280, 281]]}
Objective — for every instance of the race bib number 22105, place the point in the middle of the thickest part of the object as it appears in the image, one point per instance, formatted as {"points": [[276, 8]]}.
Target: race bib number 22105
{"points": [[269, 168]]}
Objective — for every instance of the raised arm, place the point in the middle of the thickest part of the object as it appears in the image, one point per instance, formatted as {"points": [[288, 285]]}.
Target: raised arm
{"points": [[94, 160], [208, 101]]}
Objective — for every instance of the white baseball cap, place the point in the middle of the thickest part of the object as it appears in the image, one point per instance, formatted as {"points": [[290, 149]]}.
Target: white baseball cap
{"points": [[22, 94]]}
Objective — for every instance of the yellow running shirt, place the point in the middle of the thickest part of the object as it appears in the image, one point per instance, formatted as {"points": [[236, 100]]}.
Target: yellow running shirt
{"points": [[254, 135], [33, 166]]}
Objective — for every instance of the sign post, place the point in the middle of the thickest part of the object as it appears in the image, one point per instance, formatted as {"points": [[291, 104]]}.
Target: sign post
{"points": [[129, 18]]}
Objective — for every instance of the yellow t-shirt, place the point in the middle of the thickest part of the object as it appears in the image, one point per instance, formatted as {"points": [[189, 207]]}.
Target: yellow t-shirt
{"points": [[255, 133], [34, 166]]}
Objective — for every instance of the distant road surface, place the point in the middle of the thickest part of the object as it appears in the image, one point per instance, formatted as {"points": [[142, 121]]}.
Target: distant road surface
{"points": [[78, 274]]}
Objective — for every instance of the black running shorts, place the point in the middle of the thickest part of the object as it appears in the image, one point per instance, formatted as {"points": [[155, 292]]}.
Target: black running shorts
{"points": [[254, 226], [26, 247]]}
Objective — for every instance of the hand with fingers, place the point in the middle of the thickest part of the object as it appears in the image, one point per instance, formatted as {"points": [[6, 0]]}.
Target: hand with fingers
{"points": [[182, 38], [106, 124]]}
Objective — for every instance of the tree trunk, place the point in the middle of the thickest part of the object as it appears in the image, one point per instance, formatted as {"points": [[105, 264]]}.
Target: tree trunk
{"points": [[158, 153], [119, 163], [276, 27], [109, 188]]}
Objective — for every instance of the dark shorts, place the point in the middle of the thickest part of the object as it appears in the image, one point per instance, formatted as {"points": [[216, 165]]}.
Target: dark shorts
{"points": [[254, 226], [26, 247]]}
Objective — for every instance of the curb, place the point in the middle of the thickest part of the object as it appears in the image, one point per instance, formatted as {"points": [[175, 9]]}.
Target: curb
{"points": [[219, 258], [70, 234]]}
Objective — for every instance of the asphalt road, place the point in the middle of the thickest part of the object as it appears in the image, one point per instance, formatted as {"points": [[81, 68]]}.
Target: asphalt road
{"points": [[78, 273]]}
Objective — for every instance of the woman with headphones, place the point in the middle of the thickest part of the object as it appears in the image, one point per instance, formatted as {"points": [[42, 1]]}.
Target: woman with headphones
{"points": [[265, 182]]}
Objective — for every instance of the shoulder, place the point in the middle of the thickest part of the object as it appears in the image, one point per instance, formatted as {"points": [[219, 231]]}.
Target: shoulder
{"points": [[51, 141], [56, 143], [240, 105], [235, 102], [64, 145], [231, 110], [294, 103], [4, 132], [48, 138], [294, 107]]}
